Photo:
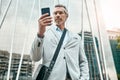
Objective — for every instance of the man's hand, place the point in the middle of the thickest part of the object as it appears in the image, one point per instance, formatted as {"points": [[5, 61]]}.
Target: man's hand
{"points": [[44, 21]]}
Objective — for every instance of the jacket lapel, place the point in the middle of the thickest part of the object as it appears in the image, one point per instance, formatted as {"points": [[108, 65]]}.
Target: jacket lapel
{"points": [[71, 39], [56, 36]]}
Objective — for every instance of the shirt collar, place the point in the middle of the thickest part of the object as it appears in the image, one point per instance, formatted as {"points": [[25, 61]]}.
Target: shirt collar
{"points": [[58, 29]]}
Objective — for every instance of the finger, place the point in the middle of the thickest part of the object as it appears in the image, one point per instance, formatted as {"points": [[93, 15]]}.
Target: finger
{"points": [[48, 21], [44, 22], [44, 15], [46, 18], [48, 24]]}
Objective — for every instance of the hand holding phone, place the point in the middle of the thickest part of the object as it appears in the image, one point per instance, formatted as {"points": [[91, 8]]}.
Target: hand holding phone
{"points": [[45, 10], [44, 20]]}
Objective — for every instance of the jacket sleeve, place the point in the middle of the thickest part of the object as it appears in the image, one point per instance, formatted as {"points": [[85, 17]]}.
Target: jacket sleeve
{"points": [[84, 70], [37, 49]]}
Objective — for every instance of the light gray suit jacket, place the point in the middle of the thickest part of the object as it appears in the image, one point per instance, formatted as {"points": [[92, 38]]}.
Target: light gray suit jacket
{"points": [[71, 54]]}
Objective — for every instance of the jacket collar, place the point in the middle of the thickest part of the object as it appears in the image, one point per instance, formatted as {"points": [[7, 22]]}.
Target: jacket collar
{"points": [[54, 29], [71, 37]]}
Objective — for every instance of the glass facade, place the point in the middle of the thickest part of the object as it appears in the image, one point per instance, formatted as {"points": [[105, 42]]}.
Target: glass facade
{"points": [[91, 56], [22, 19], [116, 56], [26, 69], [90, 53]]}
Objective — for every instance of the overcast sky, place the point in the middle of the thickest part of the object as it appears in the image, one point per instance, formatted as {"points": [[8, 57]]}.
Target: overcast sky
{"points": [[27, 29], [111, 12], [22, 24], [73, 23]]}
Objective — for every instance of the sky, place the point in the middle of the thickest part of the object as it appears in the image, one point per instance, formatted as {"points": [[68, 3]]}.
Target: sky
{"points": [[111, 12]]}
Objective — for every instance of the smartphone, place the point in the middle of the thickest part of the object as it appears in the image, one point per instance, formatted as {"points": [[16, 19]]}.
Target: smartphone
{"points": [[45, 10]]}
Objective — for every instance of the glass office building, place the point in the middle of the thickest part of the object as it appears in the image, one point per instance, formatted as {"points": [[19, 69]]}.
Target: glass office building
{"points": [[26, 69], [18, 28], [91, 56], [113, 36], [116, 56]]}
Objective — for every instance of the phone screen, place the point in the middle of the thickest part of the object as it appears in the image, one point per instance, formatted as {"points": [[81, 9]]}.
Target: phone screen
{"points": [[45, 10]]}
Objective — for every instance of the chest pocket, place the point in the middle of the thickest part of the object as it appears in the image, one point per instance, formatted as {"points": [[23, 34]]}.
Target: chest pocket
{"points": [[53, 42], [72, 43]]}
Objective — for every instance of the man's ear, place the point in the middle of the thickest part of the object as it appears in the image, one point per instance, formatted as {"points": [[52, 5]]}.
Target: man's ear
{"points": [[67, 15]]}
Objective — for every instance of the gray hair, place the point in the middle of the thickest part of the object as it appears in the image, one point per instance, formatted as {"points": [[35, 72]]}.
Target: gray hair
{"points": [[60, 5]]}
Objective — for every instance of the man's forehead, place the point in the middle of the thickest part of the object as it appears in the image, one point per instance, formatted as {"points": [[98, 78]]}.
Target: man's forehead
{"points": [[59, 9]]}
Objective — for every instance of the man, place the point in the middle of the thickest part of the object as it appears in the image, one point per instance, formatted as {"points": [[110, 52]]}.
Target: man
{"points": [[71, 63]]}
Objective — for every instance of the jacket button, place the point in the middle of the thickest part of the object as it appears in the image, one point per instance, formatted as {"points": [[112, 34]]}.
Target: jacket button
{"points": [[64, 47], [63, 57]]}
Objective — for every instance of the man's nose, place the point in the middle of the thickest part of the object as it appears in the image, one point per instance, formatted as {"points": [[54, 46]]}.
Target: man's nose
{"points": [[57, 14]]}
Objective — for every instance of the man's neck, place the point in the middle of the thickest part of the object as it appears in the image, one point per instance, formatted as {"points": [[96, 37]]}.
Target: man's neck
{"points": [[61, 27]]}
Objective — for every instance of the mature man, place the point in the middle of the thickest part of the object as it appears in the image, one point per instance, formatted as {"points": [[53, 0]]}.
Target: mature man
{"points": [[71, 63]]}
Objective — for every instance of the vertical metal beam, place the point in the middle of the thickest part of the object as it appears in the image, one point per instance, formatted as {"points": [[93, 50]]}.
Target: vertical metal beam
{"points": [[58, 1], [39, 12], [101, 48], [93, 37], [25, 41], [67, 6], [107, 53], [11, 47], [0, 6], [5, 13], [82, 28]]}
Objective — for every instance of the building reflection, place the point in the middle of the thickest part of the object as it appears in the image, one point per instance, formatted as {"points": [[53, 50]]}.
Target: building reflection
{"points": [[92, 59], [90, 53], [114, 34], [27, 66], [26, 69]]}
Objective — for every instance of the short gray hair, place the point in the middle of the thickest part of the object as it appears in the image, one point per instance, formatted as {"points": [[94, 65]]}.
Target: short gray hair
{"points": [[60, 5]]}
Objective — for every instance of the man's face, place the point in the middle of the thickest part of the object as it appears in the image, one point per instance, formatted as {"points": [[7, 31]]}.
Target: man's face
{"points": [[59, 15]]}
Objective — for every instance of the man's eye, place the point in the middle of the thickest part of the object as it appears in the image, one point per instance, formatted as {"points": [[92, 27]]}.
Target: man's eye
{"points": [[61, 13], [55, 13], [58, 13]]}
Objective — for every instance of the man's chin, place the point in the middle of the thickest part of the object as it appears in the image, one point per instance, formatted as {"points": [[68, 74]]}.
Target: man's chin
{"points": [[57, 23]]}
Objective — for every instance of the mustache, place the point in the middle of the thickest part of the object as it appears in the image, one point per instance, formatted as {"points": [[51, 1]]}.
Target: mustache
{"points": [[58, 18]]}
